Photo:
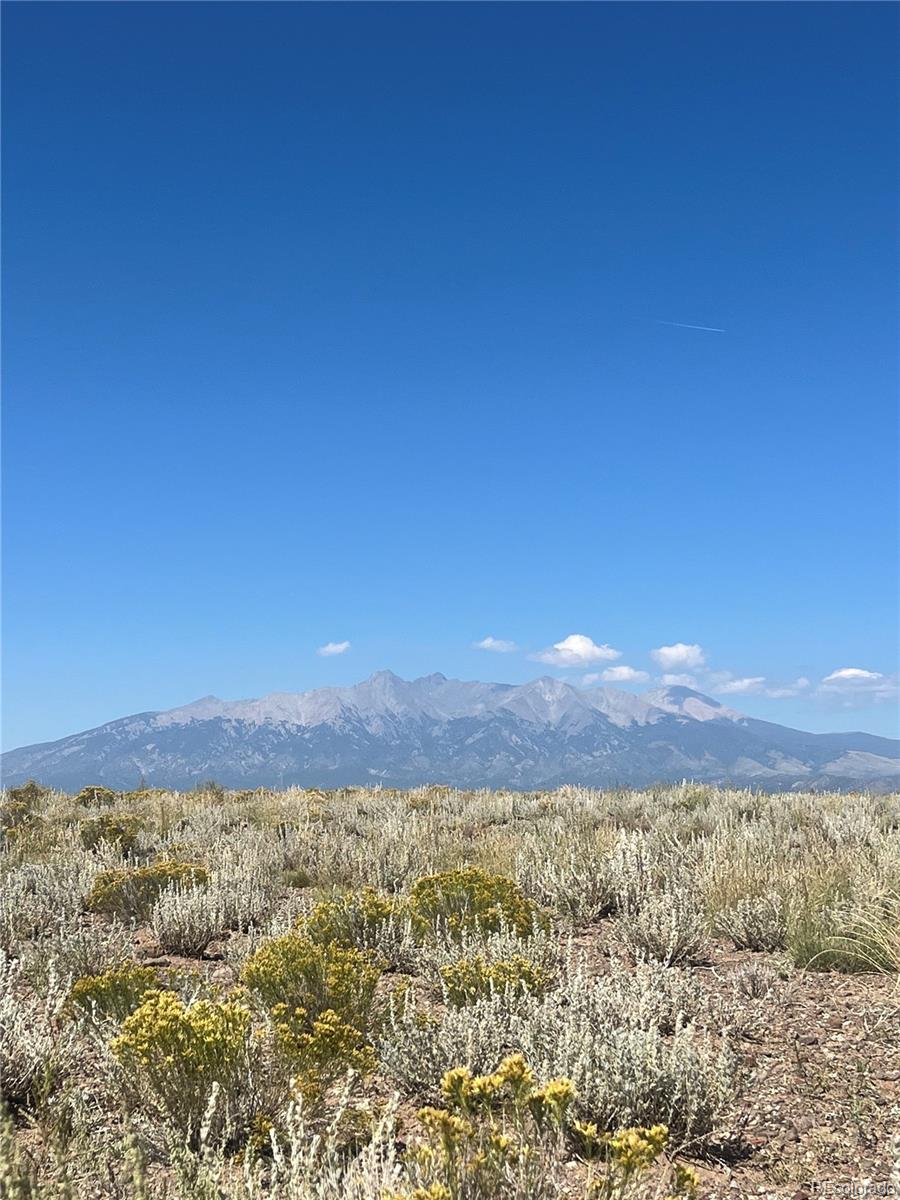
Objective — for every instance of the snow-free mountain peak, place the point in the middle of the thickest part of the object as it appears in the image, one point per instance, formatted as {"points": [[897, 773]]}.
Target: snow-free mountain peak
{"points": [[462, 732]]}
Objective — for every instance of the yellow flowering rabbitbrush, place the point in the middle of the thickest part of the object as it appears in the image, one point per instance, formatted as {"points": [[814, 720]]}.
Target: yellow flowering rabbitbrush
{"points": [[300, 974], [116, 993], [496, 1138], [630, 1156], [319, 1050], [352, 920], [470, 899], [132, 891], [172, 1054], [469, 979]]}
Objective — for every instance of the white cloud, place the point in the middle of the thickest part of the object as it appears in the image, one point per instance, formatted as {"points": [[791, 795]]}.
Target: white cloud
{"points": [[785, 691], [679, 655], [576, 650], [679, 681], [332, 648], [724, 683], [623, 674], [498, 645], [852, 676], [741, 687], [857, 686]]}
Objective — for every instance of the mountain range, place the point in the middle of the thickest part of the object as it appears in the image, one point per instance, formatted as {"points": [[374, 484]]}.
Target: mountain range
{"points": [[436, 730]]}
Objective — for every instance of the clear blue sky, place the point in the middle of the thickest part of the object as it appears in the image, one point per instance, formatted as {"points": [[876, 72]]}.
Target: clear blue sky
{"points": [[332, 323]]}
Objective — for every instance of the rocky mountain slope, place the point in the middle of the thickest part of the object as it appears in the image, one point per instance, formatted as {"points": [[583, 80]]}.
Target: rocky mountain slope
{"points": [[535, 735]]}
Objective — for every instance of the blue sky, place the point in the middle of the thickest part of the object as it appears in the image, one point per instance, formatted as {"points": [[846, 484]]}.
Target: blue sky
{"points": [[365, 323]]}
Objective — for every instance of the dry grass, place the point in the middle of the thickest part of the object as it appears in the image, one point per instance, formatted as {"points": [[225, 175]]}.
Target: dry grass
{"points": [[718, 962]]}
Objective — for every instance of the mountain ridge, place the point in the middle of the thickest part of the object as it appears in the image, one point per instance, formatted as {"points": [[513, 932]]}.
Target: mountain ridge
{"points": [[466, 733]]}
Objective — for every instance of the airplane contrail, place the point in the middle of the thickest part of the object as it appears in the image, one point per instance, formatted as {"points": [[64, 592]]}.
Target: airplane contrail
{"points": [[682, 325]]}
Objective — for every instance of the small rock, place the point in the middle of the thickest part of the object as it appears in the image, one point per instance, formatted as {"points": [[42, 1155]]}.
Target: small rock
{"points": [[807, 1039]]}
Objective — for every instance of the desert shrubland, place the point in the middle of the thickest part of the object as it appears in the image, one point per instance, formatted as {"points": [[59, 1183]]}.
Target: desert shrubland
{"points": [[420, 995]]}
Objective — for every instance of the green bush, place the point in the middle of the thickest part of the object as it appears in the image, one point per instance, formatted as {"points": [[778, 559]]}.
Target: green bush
{"points": [[132, 891], [835, 936], [30, 793], [95, 794], [296, 877], [211, 790], [18, 808], [118, 829], [14, 815]]}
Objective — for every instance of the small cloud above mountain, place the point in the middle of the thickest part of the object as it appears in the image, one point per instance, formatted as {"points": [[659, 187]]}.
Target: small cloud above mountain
{"points": [[853, 677], [856, 685], [620, 674], [330, 649], [748, 686], [679, 655], [497, 645], [787, 690], [576, 650], [723, 683], [678, 679]]}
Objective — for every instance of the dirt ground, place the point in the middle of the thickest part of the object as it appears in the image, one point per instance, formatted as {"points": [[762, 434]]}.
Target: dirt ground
{"points": [[820, 1107]]}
